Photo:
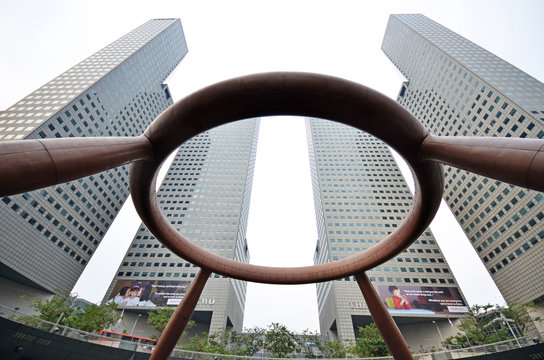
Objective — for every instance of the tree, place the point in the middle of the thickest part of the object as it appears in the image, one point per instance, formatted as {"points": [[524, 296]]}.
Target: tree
{"points": [[474, 328], [158, 318], [521, 314], [52, 309], [59, 309], [95, 318], [234, 343], [279, 340], [370, 342], [251, 341], [197, 343], [335, 349], [305, 340], [219, 343], [484, 324]]}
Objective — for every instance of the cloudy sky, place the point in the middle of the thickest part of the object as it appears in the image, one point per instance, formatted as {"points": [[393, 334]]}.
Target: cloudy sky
{"points": [[41, 39]]}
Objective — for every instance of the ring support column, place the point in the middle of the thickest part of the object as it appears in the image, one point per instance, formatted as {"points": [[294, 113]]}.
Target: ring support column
{"points": [[180, 318], [387, 327]]}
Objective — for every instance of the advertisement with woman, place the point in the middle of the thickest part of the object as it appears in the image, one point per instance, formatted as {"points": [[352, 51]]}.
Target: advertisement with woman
{"points": [[422, 299], [148, 293]]}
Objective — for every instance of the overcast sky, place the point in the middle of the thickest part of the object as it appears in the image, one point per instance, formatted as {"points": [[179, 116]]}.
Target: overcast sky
{"points": [[41, 39]]}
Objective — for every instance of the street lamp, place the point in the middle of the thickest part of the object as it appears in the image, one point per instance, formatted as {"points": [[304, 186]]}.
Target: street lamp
{"points": [[439, 333], [135, 322], [507, 322], [464, 333]]}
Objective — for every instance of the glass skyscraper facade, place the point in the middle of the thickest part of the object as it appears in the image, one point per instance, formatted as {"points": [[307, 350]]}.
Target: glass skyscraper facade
{"points": [[456, 88], [360, 196], [49, 235], [206, 195]]}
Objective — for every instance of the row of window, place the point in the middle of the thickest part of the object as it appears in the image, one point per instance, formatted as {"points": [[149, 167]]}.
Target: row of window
{"points": [[513, 255], [398, 280]]}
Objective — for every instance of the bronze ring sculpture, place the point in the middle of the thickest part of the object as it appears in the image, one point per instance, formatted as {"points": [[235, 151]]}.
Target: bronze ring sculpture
{"points": [[288, 94], [517, 161]]}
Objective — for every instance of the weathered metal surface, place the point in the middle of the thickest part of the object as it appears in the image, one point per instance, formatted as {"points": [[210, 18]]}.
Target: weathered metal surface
{"points": [[301, 94], [27, 165], [512, 160]]}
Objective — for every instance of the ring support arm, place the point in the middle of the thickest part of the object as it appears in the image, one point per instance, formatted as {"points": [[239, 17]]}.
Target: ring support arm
{"points": [[27, 165], [512, 160]]}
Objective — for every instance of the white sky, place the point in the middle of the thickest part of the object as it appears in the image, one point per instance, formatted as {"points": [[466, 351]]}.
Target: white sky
{"points": [[41, 39]]}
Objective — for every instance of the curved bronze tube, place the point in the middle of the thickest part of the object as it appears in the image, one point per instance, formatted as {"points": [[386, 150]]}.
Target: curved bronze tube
{"points": [[288, 94], [27, 165], [512, 160]]}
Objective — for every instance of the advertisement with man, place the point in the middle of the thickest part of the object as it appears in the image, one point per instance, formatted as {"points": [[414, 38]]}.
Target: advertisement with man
{"points": [[422, 299], [148, 293]]}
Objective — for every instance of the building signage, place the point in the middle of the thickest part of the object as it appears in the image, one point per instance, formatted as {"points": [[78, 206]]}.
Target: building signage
{"points": [[201, 301], [357, 305]]}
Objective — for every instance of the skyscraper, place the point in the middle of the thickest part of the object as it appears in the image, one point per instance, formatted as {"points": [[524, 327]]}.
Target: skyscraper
{"points": [[456, 88], [49, 235], [360, 196], [206, 195]]}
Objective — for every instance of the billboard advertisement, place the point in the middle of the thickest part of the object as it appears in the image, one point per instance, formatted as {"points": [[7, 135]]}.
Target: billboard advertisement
{"points": [[148, 293], [422, 300]]}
